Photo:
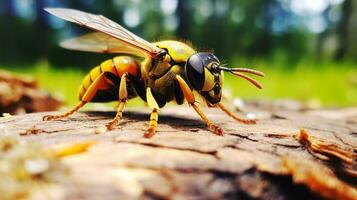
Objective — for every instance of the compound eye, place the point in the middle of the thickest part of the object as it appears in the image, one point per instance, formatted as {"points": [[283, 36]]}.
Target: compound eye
{"points": [[195, 72]]}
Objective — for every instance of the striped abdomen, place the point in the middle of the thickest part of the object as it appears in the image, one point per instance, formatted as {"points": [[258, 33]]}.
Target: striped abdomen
{"points": [[108, 74]]}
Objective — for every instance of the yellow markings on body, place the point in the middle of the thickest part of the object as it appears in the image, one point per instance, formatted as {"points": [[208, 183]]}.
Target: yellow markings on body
{"points": [[179, 51], [87, 81], [74, 149], [108, 66], [209, 81], [125, 64], [98, 83], [221, 79], [117, 66], [167, 59], [95, 72]]}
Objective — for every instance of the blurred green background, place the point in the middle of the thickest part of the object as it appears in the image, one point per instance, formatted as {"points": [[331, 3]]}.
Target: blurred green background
{"points": [[306, 48]]}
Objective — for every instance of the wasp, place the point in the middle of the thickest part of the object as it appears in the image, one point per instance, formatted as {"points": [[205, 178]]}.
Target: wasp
{"points": [[157, 72]]}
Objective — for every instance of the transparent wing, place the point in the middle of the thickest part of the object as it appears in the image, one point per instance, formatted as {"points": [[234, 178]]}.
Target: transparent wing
{"points": [[99, 23], [100, 43]]}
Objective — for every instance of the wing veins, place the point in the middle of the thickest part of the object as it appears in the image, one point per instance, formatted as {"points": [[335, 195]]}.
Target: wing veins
{"points": [[108, 27]]}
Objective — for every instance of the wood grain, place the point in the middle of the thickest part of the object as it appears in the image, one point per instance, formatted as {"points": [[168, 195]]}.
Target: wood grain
{"points": [[186, 161]]}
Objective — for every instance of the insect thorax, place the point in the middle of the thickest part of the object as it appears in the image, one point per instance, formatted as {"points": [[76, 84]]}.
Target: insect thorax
{"points": [[160, 76]]}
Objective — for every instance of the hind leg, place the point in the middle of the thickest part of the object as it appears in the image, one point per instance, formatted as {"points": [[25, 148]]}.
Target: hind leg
{"points": [[66, 114], [87, 97]]}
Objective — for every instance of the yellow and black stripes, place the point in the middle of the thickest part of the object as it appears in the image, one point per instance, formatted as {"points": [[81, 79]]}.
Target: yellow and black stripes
{"points": [[112, 70], [154, 118], [93, 74]]}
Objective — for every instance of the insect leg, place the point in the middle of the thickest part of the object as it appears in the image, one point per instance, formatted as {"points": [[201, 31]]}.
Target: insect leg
{"points": [[191, 100], [70, 112], [154, 114], [234, 116], [87, 97], [123, 96]]}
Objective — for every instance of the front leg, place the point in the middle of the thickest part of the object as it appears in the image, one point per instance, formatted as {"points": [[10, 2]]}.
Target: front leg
{"points": [[189, 96], [234, 116]]}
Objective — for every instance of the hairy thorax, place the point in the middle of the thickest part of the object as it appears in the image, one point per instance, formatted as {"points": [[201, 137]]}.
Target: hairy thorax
{"points": [[160, 76]]}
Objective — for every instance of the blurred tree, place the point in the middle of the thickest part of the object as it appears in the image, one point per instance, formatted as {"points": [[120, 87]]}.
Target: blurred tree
{"points": [[343, 34], [16, 37], [352, 35], [41, 29], [235, 29], [9, 8], [185, 19], [321, 37]]}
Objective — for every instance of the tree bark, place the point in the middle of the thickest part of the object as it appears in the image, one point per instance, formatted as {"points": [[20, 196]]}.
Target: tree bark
{"points": [[291, 153]]}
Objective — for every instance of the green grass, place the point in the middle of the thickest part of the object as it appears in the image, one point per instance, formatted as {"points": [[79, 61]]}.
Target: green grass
{"points": [[328, 84]]}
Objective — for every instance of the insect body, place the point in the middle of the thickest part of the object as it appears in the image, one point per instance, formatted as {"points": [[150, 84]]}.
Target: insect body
{"points": [[169, 71]]}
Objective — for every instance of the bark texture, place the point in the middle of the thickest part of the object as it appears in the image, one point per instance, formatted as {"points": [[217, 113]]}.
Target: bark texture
{"points": [[291, 153]]}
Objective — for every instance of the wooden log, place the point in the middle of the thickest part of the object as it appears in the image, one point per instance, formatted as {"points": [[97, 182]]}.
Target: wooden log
{"points": [[288, 154]]}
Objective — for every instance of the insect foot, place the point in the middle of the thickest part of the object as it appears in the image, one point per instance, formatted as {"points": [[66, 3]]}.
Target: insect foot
{"points": [[249, 121], [49, 117], [150, 132], [110, 125], [216, 130]]}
